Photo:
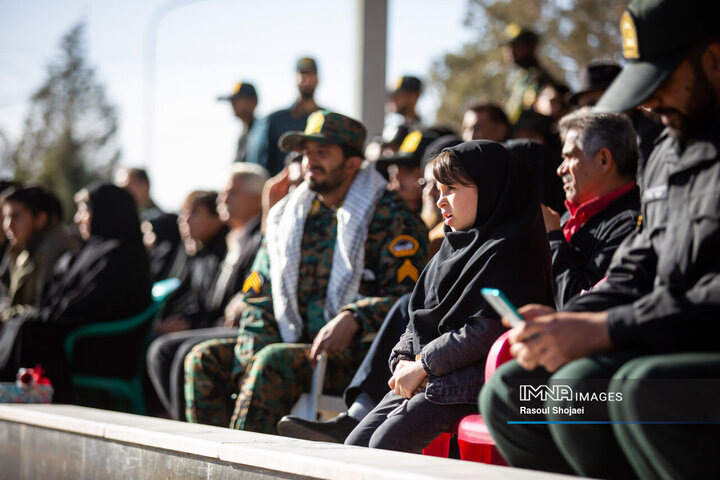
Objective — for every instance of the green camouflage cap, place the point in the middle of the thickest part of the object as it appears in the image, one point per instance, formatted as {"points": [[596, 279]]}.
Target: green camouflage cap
{"points": [[327, 127], [656, 37]]}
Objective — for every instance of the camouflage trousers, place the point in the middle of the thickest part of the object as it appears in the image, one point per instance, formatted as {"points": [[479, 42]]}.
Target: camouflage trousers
{"points": [[267, 384]]}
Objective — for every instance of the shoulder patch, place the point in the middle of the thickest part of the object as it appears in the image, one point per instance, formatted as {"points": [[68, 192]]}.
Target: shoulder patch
{"points": [[407, 270], [403, 246], [252, 283]]}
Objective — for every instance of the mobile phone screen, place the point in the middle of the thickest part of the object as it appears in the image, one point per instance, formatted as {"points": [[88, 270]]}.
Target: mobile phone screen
{"points": [[502, 305]]}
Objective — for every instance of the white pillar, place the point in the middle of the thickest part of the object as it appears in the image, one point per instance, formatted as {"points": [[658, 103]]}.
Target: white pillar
{"points": [[370, 58]]}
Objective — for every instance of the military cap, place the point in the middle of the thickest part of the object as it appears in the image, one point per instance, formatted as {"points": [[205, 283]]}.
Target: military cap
{"points": [[406, 83], [306, 64], [413, 147], [515, 35], [656, 36], [595, 77], [327, 127], [241, 90]]}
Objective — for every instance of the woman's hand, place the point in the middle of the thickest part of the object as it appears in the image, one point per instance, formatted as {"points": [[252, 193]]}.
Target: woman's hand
{"points": [[407, 378]]}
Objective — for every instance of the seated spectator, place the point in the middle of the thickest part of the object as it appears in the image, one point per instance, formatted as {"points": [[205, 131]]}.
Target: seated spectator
{"points": [[339, 250], [370, 383], [161, 228], [32, 223], [106, 280], [494, 237], [551, 101], [238, 207], [639, 353], [485, 121], [6, 187], [599, 164], [403, 167], [203, 235]]}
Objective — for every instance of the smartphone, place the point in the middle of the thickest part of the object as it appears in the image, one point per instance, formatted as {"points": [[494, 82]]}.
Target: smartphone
{"points": [[502, 305]]}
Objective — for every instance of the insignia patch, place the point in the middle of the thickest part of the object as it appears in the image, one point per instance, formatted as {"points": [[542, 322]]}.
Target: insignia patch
{"points": [[315, 123], [411, 142], [403, 246], [529, 97], [629, 36], [315, 207], [639, 221], [407, 270], [252, 282]]}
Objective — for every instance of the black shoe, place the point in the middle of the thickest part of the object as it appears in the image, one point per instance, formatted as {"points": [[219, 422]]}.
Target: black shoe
{"points": [[334, 430]]}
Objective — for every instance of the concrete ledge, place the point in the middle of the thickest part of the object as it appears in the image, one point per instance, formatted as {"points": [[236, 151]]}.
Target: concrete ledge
{"points": [[79, 442]]}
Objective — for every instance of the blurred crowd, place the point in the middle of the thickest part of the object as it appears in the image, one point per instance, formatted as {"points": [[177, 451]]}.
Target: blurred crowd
{"points": [[597, 217]]}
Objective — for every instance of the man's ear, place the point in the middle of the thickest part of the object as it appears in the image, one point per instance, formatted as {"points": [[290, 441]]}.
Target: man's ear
{"points": [[353, 163], [711, 63], [607, 162]]}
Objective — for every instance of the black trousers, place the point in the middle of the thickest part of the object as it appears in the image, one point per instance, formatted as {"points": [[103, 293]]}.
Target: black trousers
{"points": [[165, 364], [659, 426], [411, 426]]}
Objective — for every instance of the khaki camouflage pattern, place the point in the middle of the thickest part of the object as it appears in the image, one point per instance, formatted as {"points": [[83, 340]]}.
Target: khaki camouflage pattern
{"points": [[523, 86], [277, 373], [327, 127]]}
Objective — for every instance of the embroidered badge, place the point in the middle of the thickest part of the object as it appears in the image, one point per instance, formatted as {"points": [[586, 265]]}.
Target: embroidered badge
{"points": [[629, 36], [403, 246], [315, 123], [411, 142], [407, 270], [252, 282]]}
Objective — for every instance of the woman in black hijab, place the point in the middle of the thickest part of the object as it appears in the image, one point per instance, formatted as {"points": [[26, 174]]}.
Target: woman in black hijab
{"points": [[108, 279], [495, 237]]}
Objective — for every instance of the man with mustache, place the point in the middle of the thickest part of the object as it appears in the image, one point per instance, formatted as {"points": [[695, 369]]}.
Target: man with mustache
{"points": [[600, 157], [639, 354], [338, 252]]}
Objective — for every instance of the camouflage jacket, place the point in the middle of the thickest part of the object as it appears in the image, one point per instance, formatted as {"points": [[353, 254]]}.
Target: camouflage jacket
{"points": [[395, 253]]}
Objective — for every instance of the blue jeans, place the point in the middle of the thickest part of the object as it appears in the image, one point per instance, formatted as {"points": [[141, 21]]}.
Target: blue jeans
{"points": [[410, 430]]}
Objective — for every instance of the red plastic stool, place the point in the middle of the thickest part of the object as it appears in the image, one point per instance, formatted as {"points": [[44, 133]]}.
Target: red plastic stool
{"points": [[440, 447], [475, 442]]}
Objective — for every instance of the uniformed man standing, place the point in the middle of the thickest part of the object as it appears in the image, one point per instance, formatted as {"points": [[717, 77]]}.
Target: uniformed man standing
{"points": [[339, 250], [243, 100], [527, 77], [649, 334], [263, 142]]}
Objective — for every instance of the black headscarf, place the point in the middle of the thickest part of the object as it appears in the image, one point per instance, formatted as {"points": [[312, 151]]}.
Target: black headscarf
{"points": [[506, 248], [113, 214], [107, 280]]}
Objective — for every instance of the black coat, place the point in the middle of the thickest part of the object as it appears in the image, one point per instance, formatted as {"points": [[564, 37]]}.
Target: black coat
{"points": [[663, 288], [506, 248], [108, 279], [583, 261]]}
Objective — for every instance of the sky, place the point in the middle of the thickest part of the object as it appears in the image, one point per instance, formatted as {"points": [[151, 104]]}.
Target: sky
{"points": [[203, 48]]}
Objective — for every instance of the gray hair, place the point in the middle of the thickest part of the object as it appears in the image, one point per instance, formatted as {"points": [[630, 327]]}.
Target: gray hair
{"points": [[253, 175], [613, 131]]}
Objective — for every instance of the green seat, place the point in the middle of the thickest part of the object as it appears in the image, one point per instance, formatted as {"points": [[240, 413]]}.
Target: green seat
{"points": [[130, 389]]}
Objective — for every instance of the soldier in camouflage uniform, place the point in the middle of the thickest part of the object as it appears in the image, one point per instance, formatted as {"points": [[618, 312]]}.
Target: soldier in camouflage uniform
{"points": [[267, 371]]}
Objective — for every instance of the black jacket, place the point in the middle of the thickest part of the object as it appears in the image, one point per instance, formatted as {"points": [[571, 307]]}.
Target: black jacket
{"points": [[197, 278], [581, 263], [663, 287]]}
